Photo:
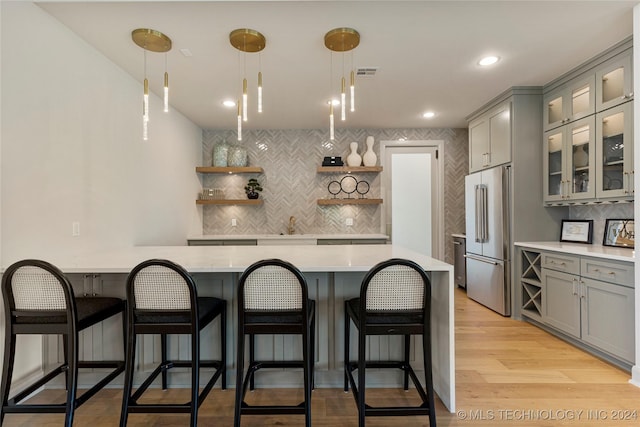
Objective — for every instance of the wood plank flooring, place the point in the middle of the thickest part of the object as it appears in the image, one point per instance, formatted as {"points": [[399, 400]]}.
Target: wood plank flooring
{"points": [[508, 373]]}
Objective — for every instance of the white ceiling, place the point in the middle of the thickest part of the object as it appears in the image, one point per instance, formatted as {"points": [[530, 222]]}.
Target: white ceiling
{"points": [[426, 53]]}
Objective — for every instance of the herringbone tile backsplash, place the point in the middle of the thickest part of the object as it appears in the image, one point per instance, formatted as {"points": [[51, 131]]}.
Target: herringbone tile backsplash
{"points": [[292, 186]]}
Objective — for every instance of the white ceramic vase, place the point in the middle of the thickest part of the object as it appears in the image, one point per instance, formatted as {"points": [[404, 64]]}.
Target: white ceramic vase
{"points": [[354, 159], [369, 158]]}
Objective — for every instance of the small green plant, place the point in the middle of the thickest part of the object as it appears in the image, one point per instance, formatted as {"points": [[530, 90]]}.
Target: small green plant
{"points": [[252, 188]]}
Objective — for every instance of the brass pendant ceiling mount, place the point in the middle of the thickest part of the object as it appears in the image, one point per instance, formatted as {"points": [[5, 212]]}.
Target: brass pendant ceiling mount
{"points": [[247, 40], [151, 40], [342, 39]]}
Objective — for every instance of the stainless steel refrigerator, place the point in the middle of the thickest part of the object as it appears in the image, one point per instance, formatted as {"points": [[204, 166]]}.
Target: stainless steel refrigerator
{"points": [[487, 225]]}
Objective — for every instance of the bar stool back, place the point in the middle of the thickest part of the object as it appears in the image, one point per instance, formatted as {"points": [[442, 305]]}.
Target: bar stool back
{"points": [[39, 299], [273, 299], [162, 299], [395, 299]]}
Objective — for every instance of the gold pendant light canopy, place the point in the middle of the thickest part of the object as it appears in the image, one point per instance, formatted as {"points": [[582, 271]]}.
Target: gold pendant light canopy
{"points": [[342, 39], [151, 40], [247, 40]]}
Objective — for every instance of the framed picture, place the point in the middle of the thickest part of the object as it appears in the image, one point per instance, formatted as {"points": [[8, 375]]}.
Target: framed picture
{"points": [[619, 232], [577, 230]]}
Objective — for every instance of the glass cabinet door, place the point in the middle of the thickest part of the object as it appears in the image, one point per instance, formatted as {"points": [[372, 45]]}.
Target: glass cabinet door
{"points": [[615, 153], [581, 160], [554, 180], [615, 83], [583, 98], [569, 102], [553, 113]]}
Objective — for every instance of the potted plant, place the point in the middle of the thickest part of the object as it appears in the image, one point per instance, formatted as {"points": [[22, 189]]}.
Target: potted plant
{"points": [[252, 188]]}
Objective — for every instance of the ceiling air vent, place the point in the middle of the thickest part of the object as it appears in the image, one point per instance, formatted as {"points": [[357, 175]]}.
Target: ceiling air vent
{"points": [[366, 71]]}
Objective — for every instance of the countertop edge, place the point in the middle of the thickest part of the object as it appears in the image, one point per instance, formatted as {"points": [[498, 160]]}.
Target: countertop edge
{"points": [[285, 236], [596, 251]]}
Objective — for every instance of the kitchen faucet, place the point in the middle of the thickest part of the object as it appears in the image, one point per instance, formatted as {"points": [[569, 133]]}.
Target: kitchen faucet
{"points": [[291, 229]]}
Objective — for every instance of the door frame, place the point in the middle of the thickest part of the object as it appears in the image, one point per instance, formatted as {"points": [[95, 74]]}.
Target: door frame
{"points": [[438, 214]]}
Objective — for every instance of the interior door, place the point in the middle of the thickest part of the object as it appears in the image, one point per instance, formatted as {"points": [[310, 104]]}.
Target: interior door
{"points": [[412, 210]]}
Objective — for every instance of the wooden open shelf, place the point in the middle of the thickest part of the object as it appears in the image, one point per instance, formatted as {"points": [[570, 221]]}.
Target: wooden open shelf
{"points": [[213, 169], [325, 202], [229, 202], [347, 169]]}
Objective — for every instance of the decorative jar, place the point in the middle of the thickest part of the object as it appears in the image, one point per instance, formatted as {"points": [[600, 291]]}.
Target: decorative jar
{"points": [[220, 153], [237, 156]]}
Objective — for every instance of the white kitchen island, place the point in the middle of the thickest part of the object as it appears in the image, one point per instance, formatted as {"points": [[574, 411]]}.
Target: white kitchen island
{"points": [[333, 274]]}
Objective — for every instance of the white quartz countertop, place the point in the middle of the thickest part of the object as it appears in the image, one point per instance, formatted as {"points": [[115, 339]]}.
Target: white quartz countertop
{"points": [[284, 236], [596, 251], [308, 258]]}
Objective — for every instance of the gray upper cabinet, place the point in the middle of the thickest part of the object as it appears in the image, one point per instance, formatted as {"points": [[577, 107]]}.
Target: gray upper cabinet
{"points": [[569, 102], [614, 80], [588, 132], [614, 155], [569, 162], [490, 138]]}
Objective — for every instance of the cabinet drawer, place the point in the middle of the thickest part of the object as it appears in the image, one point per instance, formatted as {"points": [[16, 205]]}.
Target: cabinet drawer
{"points": [[617, 272], [561, 262]]}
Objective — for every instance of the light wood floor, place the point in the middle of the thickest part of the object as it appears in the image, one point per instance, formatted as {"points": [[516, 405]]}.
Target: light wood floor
{"points": [[508, 373]]}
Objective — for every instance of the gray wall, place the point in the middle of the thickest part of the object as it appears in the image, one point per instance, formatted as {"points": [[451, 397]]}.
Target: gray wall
{"points": [[292, 186]]}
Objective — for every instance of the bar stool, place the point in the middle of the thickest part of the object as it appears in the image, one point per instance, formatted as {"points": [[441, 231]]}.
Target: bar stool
{"points": [[273, 299], [395, 299], [162, 299], [39, 299]]}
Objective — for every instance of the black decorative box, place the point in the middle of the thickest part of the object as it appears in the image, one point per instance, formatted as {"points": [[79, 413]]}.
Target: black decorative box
{"points": [[332, 161]]}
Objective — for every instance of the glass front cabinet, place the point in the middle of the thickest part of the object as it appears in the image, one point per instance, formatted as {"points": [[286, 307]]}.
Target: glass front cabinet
{"points": [[614, 136], [569, 162], [569, 102], [614, 82]]}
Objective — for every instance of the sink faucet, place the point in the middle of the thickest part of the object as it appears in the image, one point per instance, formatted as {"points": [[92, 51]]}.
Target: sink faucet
{"points": [[291, 229]]}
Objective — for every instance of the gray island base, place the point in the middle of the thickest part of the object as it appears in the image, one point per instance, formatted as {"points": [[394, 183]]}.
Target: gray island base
{"points": [[333, 274]]}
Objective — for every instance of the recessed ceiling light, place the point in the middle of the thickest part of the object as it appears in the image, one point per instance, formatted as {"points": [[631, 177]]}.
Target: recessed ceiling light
{"points": [[429, 115], [334, 102], [488, 60], [229, 103]]}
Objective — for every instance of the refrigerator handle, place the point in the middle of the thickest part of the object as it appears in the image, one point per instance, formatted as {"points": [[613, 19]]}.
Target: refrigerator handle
{"points": [[478, 229], [481, 214], [485, 214]]}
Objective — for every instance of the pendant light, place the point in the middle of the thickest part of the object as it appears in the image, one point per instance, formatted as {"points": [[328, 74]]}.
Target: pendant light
{"points": [[248, 41], [343, 40], [152, 41]]}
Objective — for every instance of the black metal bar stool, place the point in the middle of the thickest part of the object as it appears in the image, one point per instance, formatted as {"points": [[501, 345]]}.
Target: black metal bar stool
{"points": [[162, 299], [395, 299], [39, 299], [273, 299]]}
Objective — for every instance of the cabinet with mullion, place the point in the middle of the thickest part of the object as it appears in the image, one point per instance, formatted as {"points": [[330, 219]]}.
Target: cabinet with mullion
{"points": [[614, 155], [614, 81], [569, 102], [569, 162]]}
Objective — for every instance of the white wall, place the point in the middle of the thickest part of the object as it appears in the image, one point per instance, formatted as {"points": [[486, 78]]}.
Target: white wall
{"points": [[72, 151]]}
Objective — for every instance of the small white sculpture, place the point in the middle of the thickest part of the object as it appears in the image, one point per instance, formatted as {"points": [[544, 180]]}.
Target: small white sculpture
{"points": [[369, 158], [354, 159]]}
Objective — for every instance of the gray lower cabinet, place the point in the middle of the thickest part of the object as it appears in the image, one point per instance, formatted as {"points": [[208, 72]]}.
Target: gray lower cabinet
{"points": [[561, 303], [586, 298], [608, 317]]}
